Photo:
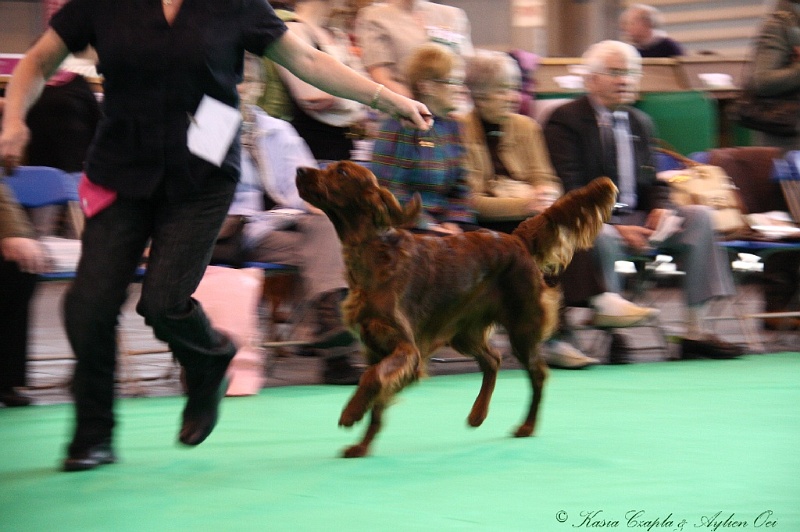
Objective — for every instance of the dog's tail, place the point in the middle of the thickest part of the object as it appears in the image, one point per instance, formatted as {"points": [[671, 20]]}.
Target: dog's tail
{"points": [[571, 223]]}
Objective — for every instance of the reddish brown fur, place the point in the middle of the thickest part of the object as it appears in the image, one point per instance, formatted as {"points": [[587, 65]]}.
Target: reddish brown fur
{"points": [[412, 294]]}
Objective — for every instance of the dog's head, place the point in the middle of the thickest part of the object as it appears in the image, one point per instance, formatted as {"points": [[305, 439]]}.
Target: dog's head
{"points": [[356, 204]]}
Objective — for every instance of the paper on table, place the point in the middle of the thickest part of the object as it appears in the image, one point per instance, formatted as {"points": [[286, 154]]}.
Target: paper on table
{"points": [[212, 130]]}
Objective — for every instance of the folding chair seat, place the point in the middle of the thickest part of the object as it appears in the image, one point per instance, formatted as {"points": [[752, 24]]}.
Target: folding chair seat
{"points": [[760, 174]]}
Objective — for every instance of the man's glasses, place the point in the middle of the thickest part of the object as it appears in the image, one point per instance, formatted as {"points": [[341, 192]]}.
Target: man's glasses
{"points": [[621, 72], [450, 81]]}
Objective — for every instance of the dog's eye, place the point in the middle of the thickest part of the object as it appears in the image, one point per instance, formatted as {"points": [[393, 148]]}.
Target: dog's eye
{"points": [[341, 171]]}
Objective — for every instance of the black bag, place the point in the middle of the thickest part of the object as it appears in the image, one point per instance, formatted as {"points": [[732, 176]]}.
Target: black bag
{"points": [[775, 116]]}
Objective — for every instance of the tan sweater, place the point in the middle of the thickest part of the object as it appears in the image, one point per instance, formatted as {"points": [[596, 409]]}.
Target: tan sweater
{"points": [[522, 150], [13, 220]]}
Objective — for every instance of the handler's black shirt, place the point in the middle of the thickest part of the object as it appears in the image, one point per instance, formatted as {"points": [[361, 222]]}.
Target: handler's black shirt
{"points": [[154, 76]]}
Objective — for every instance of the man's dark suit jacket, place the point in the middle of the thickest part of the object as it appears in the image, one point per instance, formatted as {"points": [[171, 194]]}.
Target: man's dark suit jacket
{"points": [[574, 142]]}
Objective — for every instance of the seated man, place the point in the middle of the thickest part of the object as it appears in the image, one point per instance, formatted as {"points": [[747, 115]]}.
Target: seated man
{"points": [[21, 258], [601, 135], [288, 230]]}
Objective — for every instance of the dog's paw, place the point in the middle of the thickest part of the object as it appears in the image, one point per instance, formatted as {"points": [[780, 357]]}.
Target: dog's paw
{"points": [[350, 417], [476, 419], [355, 451], [524, 431]]}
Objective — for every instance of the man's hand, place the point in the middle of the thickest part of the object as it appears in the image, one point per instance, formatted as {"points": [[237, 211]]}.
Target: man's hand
{"points": [[13, 139], [26, 252], [635, 237], [654, 218]]}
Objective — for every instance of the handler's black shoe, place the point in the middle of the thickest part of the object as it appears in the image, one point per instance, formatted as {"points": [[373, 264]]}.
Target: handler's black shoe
{"points": [[97, 455], [205, 388]]}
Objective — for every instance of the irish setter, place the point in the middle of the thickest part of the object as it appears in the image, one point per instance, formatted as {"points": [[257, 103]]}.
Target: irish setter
{"points": [[411, 294]]}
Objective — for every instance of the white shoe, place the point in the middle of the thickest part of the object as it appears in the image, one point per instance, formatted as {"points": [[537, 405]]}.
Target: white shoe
{"points": [[612, 310], [560, 354]]}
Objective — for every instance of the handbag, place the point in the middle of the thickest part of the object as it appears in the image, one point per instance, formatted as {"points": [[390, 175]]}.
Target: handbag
{"points": [[774, 115], [705, 184]]}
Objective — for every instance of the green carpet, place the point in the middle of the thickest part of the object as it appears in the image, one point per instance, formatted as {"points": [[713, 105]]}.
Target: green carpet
{"points": [[702, 445]]}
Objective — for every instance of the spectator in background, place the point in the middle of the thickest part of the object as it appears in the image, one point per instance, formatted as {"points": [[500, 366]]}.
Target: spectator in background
{"points": [[275, 100], [642, 27], [509, 171], [21, 258], [776, 72], [327, 123], [62, 123], [288, 230], [600, 134], [431, 164], [387, 32]]}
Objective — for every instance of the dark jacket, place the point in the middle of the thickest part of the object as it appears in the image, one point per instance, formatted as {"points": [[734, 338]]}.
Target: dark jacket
{"points": [[574, 141]]}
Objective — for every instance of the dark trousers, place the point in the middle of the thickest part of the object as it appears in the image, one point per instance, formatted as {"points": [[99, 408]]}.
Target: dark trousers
{"points": [[781, 280], [181, 234], [16, 291]]}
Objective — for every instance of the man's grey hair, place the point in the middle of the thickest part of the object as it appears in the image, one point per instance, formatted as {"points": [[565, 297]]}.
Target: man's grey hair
{"points": [[594, 59], [649, 14]]}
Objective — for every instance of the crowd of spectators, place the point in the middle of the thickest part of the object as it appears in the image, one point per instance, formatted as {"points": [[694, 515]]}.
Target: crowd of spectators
{"points": [[484, 163]]}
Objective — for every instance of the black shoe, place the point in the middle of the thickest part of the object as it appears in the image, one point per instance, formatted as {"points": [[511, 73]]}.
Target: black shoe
{"points": [[331, 331], [12, 398], [709, 347], [100, 454], [619, 352], [205, 386], [339, 370]]}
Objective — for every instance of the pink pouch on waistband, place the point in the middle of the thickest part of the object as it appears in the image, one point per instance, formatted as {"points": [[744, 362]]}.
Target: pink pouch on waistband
{"points": [[93, 197]]}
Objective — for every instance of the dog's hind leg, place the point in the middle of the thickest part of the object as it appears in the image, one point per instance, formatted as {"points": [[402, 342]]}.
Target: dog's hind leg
{"points": [[489, 362], [375, 421], [525, 346]]}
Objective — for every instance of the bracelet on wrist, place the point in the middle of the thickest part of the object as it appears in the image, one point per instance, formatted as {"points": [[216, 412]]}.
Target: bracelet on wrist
{"points": [[375, 97]]}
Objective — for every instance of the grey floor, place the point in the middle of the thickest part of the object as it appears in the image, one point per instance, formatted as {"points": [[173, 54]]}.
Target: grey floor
{"points": [[155, 374]]}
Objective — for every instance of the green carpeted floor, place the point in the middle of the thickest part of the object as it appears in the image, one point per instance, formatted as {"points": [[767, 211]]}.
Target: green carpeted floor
{"points": [[701, 445]]}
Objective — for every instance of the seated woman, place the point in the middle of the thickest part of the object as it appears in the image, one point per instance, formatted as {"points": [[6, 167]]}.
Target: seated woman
{"points": [[509, 170], [406, 161]]}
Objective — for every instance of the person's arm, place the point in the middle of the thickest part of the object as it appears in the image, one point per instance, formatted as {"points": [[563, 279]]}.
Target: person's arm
{"points": [[17, 237], [328, 74], [23, 90], [383, 74], [307, 96]]}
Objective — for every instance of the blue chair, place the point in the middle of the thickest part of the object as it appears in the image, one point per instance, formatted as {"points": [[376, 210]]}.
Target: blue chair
{"points": [[42, 186], [38, 186]]}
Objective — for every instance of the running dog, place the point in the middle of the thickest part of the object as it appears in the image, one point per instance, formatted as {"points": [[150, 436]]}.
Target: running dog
{"points": [[411, 294]]}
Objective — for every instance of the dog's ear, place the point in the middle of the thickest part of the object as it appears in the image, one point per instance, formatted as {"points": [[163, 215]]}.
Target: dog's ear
{"points": [[393, 215], [412, 209]]}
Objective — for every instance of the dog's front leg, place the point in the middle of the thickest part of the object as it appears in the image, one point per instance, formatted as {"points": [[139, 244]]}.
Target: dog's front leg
{"points": [[383, 379], [375, 421]]}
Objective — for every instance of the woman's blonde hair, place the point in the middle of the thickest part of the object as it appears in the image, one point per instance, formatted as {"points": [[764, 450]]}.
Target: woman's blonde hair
{"points": [[488, 69], [428, 61]]}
